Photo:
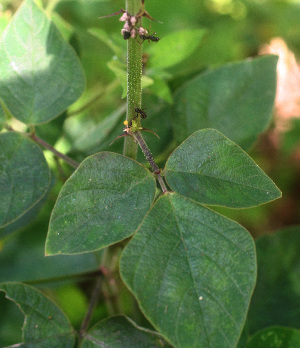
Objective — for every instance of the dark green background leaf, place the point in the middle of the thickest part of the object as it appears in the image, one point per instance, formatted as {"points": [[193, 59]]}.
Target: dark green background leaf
{"points": [[276, 299], [275, 337], [24, 176], [119, 332], [22, 258], [193, 272], [45, 325], [102, 203], [40, 76], [237, 99], [211, 169]]}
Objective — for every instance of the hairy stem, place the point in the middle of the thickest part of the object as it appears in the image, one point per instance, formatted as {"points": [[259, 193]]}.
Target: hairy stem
{"points": [[144, 147], [134, 78]]}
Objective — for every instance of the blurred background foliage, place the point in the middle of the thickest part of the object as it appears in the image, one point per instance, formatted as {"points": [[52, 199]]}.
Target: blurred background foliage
{"points": [[234, 30]]}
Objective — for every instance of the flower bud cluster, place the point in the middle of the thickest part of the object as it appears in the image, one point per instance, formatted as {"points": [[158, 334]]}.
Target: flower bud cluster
{"points": [[129, 30]]}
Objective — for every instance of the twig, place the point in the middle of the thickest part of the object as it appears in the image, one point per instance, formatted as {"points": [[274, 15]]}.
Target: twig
{"points": [[140, 140], [42, 142], [67, 159], [92, 305]]}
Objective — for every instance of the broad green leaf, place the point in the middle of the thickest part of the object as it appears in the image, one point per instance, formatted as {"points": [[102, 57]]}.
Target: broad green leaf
{"points": [[22, 222], [40, 76], [102, 203], [211, 169], [119, 332], [45, 325], [193, 272], [275, 337], [276, 299], [22, 257], [174, 48], [237, 99], [24, 176]]}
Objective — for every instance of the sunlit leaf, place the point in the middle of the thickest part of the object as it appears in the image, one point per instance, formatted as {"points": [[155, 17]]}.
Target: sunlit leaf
{"points": [[236, 99], [24, 176], [45, 325], [102, 203], [192, 271], [174, 48], [211, 169], [40, 76]]}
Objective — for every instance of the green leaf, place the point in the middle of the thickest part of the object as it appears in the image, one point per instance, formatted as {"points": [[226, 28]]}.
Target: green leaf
{"points": [[276, 299], [161, 89], [22, 222], [87, 134], [119, 332], [105, 38], [22, 258], [175, 48], [40, 76], [2, 116], [211, 169], [192, 271], [45, 325], [102, 203], [24, 176], [237, 99], [275, 337]]}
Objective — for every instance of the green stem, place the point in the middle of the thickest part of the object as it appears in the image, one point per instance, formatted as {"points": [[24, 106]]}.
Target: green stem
{"points": [[134, 78], [51, 5]]}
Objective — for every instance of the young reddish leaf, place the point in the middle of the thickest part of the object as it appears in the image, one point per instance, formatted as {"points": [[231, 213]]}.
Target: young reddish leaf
{"points": [[40, 76], [45, 325], [193, 272], [102, 203], [211, 169], [24, 176]]}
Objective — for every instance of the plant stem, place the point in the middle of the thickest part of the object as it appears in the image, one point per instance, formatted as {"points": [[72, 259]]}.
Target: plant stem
{"points": [[144, 147], [51, 5], [92, 305], [42, 142], [67, 159], [134, 78]]}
